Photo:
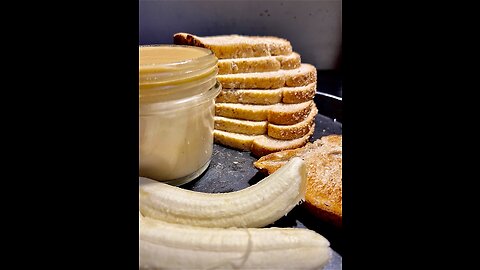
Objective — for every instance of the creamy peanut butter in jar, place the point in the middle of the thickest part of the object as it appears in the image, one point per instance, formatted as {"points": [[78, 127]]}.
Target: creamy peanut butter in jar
{"points": [[177, 88]]}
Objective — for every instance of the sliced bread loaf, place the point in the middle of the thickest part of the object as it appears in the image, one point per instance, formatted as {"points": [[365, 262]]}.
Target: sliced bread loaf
{"points": [[304, 75], [259, 145], [281, 132], [258, 64], [268, 96], [237, 46], [280, 114]]}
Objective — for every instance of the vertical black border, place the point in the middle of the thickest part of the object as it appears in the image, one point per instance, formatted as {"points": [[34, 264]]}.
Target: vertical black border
{"points": [[92, 213], [400, 92], [117, 132]]}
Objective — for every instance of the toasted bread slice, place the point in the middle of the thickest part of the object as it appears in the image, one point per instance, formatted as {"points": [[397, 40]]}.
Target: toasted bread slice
{"points": [[259, 145], [280, 114], [258, 64], [324, 175], [268, 96], [304, 75], [237, 46], [281, 132]]}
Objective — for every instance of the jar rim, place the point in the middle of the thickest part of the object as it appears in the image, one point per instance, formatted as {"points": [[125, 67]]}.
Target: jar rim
{"points": [[208, 55], [175, 74]]}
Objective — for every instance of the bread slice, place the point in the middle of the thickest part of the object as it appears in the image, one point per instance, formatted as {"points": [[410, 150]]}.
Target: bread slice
{"points": [[243, 111], [250, 96], [237, 46], [304, 75], [234, 140], [281, 132], [280, 114], [324, 175], [295, 131], [268, 96], [289, 114], [265, 145], [299, 94], [241, 126], [258, 64], [259, 145]]}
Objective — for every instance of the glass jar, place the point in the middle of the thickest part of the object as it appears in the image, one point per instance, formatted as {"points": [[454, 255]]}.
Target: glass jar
{"points": [[177, 89]]}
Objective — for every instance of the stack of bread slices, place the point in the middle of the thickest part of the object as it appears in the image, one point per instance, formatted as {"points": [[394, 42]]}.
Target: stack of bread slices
{"points": [[266, 103]]}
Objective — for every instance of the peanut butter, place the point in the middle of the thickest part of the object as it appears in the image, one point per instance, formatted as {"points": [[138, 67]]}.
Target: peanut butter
{"points": [[177, 88]]}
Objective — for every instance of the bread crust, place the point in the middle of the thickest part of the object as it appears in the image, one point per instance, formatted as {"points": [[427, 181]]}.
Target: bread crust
{"points": [[295, 131], [304, 75], [240, 126], [258, 64], [237, 46], [281, 132], [259, 145], [280, 114], [288, 95]]}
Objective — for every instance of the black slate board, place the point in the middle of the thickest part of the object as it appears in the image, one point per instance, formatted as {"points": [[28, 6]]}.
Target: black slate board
{"points": [[232, 170]]}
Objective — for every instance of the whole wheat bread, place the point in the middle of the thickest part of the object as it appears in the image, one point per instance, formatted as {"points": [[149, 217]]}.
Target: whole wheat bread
{"points": [[258, 64], [237, 46], [246, 127], [251, 96], [266, 90], [324, 175], [280, 114], [304, 75], [281, 132], [259, 145], [268, 96], [295, 131]]}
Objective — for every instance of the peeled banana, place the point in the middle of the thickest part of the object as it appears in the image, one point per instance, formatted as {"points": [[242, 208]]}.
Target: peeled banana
{"points": [[256, 206], [173, 246]]}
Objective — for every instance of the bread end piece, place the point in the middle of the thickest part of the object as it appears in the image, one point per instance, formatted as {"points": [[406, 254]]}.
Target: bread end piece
{"points": [[237, 46], [187, 39]]}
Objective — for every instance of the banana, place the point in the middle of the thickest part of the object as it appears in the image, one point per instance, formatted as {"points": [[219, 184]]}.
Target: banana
{"points": [[174, 246], [256, 206]]}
